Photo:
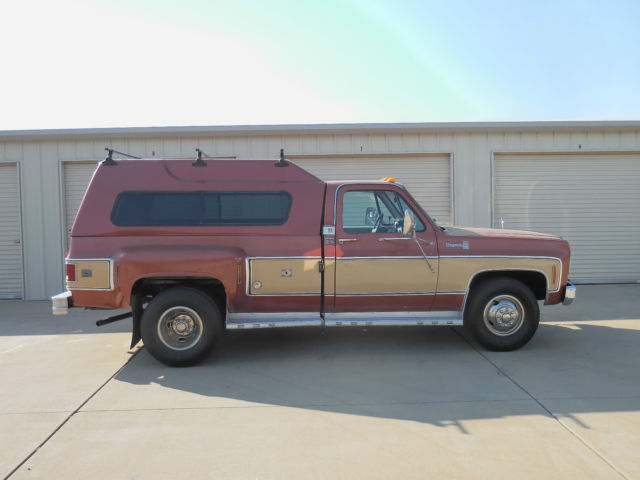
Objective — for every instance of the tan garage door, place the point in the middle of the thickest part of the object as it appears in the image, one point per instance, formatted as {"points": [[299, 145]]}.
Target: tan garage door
{"points": [[428, 178], [10, 234], [593, 201], [76, 179]]}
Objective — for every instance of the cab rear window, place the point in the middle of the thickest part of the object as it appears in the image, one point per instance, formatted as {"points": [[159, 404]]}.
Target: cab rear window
{"points": [[148, 209]]}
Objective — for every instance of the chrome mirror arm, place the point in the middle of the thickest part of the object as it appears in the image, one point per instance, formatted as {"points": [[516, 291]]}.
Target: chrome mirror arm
{"points": [[424, 254]]}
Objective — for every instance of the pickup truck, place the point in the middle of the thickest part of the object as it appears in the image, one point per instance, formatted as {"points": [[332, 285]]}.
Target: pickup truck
{"points": [[194, 248]]}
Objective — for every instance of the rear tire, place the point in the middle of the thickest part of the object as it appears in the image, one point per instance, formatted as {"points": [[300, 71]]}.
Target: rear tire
{"points": [[180, 326], [502, 314]]}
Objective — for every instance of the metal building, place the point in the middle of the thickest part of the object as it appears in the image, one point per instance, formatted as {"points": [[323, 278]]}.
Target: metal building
{"points": [[579, 180]]}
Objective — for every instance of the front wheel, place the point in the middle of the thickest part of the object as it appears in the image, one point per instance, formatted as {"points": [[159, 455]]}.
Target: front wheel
{"points": [[180, 326], [502, 314]]}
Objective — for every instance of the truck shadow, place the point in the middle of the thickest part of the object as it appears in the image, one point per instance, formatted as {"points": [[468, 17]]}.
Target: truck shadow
{"points": [[35, 318], [432, 375]]}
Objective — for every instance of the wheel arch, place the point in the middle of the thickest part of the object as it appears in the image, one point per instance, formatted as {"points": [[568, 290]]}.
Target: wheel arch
{"points": [[145, 288], [536, 280]]}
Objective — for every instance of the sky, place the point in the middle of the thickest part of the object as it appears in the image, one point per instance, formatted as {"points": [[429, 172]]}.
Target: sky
{"points": [[122, 63]]}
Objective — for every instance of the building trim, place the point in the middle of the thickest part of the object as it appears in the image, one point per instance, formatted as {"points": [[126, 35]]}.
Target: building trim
{"points": [[316, 129]]}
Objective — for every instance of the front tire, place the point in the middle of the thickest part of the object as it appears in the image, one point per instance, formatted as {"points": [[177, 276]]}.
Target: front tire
{"points": [[502, 314], [180, 326]]}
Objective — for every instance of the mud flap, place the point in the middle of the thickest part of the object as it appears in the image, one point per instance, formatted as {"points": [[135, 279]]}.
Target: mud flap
{"points": [[136, 309]]}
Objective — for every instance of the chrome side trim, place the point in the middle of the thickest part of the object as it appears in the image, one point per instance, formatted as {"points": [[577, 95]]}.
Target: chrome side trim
{"points": [[375, 257], [383, 294], [357, 319], [501, 256], [60, 303], [294, 257], [74, 260], [569, 294]]}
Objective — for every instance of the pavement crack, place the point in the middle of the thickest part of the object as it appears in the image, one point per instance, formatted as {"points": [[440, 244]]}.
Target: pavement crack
{"points": [[71, 415], [542, 406]]}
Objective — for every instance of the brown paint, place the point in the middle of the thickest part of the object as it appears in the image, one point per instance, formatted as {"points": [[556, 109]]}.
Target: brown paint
{"points": [[389, 282]]}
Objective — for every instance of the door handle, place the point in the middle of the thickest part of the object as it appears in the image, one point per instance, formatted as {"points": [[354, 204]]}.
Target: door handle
{"points": [[344, 240]]}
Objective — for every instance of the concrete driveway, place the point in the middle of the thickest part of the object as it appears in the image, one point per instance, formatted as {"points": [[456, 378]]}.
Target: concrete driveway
{"points": [[345, 403]]}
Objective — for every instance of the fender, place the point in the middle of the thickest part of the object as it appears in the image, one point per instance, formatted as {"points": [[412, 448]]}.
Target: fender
{"points": [[134, 263]]}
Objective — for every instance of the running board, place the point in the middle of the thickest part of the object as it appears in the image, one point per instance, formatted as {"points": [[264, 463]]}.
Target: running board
{"points": [[374, 319], [272, 320], [390, 319]]}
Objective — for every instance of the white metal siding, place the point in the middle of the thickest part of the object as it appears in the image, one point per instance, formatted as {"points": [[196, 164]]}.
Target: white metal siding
{"points": [[11, 271], [43, 203], [593, 201], [76, 179], [428, 178]]}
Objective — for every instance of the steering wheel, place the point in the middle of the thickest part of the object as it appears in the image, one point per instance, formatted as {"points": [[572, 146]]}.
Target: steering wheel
{"points": [[377, 225]]}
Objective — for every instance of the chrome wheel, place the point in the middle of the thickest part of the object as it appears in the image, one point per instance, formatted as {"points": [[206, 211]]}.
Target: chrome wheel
{"points": [[179, 328], [503, 315]]}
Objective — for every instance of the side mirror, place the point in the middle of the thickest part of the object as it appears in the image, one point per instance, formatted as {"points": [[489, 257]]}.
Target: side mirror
{"points": [[409, 224]]}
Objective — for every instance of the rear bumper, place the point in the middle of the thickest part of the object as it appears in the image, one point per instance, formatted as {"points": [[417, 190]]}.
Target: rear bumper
{"points": [[569, 294], [61, 303]]}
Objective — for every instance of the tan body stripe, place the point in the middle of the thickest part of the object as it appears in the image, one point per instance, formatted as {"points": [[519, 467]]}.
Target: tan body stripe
{"points": [[385, 276], [100, 279], [456, 272], [304, 276]]}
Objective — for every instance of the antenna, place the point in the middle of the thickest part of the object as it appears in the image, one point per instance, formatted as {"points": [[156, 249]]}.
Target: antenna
{"points": [[282, 162], [199, 162], [109, 161]]}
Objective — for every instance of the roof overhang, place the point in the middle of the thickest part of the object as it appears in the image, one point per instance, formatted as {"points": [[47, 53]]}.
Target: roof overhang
{"points": [[319, 129]]}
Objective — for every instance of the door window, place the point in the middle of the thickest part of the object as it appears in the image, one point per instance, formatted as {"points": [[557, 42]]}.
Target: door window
{"points": [[375, 211]]}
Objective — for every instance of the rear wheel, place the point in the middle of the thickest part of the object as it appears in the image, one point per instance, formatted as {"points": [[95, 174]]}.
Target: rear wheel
{"points": [[502, 314], [180, 326]]}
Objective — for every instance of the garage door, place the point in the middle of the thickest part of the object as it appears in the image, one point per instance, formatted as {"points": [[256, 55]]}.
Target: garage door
{"points": [[427, 178], [593, 201], [76, 179], [10, 234]]}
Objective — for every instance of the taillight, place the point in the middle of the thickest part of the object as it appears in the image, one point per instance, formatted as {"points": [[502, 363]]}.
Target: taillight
{"points": [[71, 272]]}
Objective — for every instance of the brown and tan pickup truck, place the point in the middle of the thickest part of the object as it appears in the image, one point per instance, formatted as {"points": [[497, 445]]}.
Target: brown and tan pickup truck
{"points": [[192, 249]]}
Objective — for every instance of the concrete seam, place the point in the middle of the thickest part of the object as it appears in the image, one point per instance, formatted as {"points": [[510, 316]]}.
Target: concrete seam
{"points": [[50, 436], [304, 405], [424, 402], [565, 427]]}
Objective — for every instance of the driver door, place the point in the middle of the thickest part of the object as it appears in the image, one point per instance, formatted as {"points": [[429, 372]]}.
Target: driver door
{"points": [[377, 269]]}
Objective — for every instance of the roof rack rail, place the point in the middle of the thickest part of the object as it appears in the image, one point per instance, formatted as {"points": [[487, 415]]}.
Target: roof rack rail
{"points": [[282, 162], [109, 161], [199, 162]]}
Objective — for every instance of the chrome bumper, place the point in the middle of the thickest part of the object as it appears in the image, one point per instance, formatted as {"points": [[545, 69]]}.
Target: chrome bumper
{"points": [[569, 294], [61, 303]]}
